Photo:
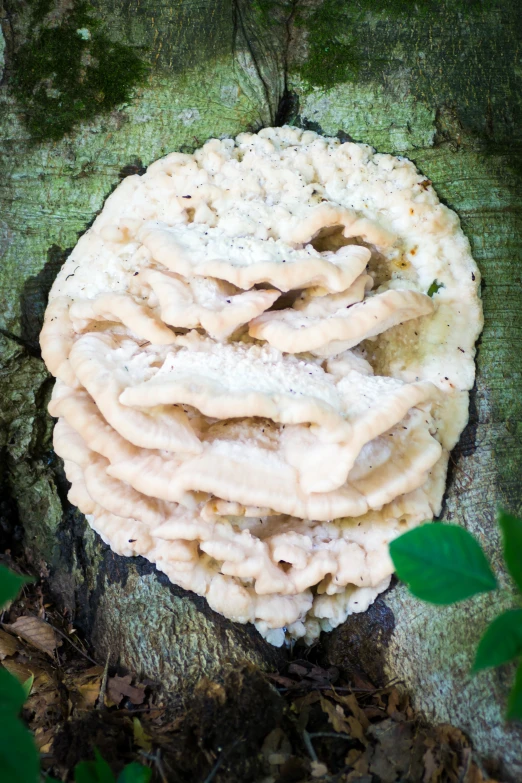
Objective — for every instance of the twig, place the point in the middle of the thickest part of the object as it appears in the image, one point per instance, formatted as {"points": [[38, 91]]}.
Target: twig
{"points": [[103, 687], [213, 772], [309, 746], [64, 636], [330, 734]]}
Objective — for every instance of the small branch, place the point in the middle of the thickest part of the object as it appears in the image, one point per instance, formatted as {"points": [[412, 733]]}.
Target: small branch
{"points": [[331, 734], [308, 743], [156, 760], [213, 772], [64, 636]]}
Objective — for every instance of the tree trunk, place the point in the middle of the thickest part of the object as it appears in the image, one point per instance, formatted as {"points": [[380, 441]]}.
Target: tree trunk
{"points": [[435, 82]]}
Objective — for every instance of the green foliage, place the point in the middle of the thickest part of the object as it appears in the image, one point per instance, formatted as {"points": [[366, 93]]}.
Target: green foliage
{"points": [[19, 762], [502, 641], [441, 564], [11, 584], [444, 564], [19, 758], [135, 773], [70, 71], [98, 771], [512, 536]]}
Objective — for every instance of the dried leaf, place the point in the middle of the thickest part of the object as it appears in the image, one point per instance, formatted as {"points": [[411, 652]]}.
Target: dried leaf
{"points": [[141, 738], [37, 632], [89, 693], [284, 682], [84, 687], [306, 701], [9, 645], [22, 670], [120, 687], [351, 702], [335, 716], [276, 744], [357, 730], [393, 749], [432, 768], [359, 761], [393, 702], [296, 668], [44, 739]]}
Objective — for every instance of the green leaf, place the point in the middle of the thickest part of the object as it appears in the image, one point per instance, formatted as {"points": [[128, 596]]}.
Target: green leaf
{"points": [[514, 710], [12, 694], [27, 685], [19, 758], [11, 584], [441, 563], [97, 771], [511, 527], [501, 642], [135, 773]]}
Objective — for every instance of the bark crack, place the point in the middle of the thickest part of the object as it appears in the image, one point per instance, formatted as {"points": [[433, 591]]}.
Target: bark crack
{"points": [[22, 343], [289, 103], [239, 25]]}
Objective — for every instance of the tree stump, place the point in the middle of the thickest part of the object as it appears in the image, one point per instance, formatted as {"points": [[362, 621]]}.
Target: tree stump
{"points": [[436, 82]]}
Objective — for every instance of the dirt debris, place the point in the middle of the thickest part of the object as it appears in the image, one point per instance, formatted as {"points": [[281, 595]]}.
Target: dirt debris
{"points": [[302, 724]]}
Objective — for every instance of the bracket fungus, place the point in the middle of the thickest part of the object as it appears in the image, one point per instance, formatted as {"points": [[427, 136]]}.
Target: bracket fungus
{"points": [[257, 387]]}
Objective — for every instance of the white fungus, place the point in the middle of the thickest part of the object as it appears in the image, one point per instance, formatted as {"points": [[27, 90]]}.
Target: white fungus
{"points": [[263, 353]]}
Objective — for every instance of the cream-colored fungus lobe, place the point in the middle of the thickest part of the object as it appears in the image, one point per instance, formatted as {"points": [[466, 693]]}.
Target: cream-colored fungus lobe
{"points": [[263, 353]]}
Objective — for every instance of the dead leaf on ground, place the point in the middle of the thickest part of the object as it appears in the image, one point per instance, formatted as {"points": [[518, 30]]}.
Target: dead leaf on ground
{"points": [[9, 645], [359, 761], [336, 716], [351, 702], [393, 703], [276, 748], [37, 632], [357, 730], [22, 670], [44, 739], [392, 752], [141, 738], [84, 687], [121, 687]]}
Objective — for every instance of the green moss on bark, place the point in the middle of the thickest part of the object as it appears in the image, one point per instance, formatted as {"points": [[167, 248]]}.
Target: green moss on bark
{"points": [[69, 70]]}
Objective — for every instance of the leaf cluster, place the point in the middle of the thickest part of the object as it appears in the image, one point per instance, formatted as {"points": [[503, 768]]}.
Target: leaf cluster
{"points": [[19, 757], [444, 564]]}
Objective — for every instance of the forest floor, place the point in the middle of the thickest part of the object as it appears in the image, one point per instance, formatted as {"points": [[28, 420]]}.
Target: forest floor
{"points": [[302, 724]]}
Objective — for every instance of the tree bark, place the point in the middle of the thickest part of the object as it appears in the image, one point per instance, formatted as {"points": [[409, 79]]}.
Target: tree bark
{"points": [[435, 82]]}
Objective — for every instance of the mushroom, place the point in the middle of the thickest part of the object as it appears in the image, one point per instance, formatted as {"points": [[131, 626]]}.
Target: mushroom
{"points": [[254, 389]]}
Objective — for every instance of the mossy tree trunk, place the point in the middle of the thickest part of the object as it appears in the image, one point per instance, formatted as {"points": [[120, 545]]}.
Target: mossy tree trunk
{"points": [[435, 81]]}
